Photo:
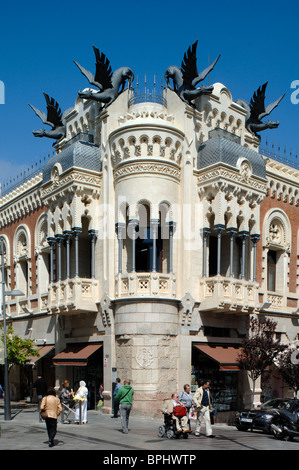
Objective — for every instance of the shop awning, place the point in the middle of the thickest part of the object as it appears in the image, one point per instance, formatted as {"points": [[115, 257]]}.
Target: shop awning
{"points": [[226, 356], [75, 354], [43, 351]]}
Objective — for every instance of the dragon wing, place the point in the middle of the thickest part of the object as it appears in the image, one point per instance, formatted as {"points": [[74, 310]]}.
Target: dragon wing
{"points": [[270, 107], [205, 72], [89, 76], [103, 73], [41, 115], [54, 113], [257, 102], [188, 66]]}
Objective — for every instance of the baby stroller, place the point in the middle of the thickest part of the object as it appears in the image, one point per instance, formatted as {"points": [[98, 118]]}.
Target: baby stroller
{"points": [[170, 429]]}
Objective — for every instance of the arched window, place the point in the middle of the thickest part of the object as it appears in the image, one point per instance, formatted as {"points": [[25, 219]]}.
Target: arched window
{"points": [[21, 257], [43, 255], [277, 244], [84, 250], [148, 242], [144, 242], [4, 244]]}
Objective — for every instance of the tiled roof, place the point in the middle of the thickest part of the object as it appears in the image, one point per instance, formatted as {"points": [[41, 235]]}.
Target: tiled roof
{"points": [[79, 154], [220, 149]]}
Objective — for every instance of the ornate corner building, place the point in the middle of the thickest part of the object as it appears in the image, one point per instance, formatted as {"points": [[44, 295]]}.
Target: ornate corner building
{"points": [[146, 242]]}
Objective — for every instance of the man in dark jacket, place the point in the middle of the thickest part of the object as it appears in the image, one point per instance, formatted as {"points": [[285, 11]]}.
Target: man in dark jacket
{"points": [[125, 399], [116, 403], [41, 390]]}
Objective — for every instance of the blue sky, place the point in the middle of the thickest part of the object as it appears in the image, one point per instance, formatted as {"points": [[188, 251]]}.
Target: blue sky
{"points": [[40, 40]]}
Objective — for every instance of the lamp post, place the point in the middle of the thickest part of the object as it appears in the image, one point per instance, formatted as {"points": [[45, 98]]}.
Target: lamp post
{"points": [[7, 413]]}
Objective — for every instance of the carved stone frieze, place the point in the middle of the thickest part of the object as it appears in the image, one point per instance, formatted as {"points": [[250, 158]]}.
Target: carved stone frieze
{"points": [[73, 177], [165, 169], [238, 178]]}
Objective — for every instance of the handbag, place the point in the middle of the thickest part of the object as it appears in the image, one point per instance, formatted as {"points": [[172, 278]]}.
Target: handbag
{"points": [[193, 413], [44, 413], [179, 410]]}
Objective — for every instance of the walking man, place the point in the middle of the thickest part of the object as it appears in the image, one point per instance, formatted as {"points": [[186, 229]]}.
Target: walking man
{"points": [[41, 391], [116, 403], [125, 399], [203, 405]]}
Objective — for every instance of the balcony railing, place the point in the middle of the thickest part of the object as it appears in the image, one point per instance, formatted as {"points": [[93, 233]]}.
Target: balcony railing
{"points": [[229, 294], [148, 97], [73, 295], [290, 159], [145, 285]]}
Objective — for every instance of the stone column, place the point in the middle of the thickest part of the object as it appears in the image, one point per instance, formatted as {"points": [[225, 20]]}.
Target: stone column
{"points": [[59, 237], [52, 242], [254, 238], [76, 232], [120, 229], [205, 233], [171, 229], [219, 229], [243, 237], [67, 236], [133, 223], [231, 232], [154, 236], [93, 236]]}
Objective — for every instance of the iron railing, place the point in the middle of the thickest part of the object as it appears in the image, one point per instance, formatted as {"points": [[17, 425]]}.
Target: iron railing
{"points": [[290, 160], [147, 97]]}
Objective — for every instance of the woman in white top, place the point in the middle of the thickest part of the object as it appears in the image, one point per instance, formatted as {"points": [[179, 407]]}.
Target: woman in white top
{"points": [[81, 396]]}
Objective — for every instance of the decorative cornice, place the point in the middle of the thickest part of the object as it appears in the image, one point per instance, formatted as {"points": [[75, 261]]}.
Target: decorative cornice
{"points": [[21, 201], [212, 174], [168, 169], [73, 177]]}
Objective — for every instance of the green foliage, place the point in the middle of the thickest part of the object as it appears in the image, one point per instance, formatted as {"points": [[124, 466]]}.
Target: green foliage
{"points": [[19, 351]]}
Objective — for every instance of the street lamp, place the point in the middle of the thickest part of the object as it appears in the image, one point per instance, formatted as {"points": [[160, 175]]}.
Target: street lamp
{"points": [[7, 414]]}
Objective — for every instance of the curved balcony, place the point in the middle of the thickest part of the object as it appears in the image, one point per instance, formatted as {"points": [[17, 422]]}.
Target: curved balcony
{"points": [[149, 284], [147, 97]]}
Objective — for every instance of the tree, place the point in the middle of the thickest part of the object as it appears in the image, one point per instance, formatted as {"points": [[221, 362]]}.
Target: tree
{"points": [[260, 348], [19, 351], [287, 362]]}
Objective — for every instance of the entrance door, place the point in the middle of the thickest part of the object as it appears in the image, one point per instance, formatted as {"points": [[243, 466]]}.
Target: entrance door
{"points": [[224, 383], [92, 374]]}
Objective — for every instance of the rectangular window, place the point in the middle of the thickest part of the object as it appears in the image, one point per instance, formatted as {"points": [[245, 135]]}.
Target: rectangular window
{"points": [[271, 266]]}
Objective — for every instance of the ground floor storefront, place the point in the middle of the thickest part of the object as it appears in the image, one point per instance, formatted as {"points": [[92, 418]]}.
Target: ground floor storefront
{"points": [[150, 352]]}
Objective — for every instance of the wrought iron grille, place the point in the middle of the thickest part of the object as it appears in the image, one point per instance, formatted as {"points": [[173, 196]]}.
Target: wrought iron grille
{"points": [[148, 97]]}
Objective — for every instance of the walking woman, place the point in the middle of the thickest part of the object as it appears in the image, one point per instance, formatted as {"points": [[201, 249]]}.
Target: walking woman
{"points": [[81, 402], [51, 406]]}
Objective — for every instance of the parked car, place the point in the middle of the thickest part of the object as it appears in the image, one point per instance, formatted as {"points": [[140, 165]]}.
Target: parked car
{"points": [[286, 423], [260, 418]]}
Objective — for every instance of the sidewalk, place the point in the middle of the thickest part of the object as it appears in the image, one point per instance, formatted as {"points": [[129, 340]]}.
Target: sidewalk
{"points": [[25, 432], [103, 434]]}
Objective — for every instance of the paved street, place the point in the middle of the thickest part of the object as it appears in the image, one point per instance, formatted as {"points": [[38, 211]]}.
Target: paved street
{"points": [[102, 433]]}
